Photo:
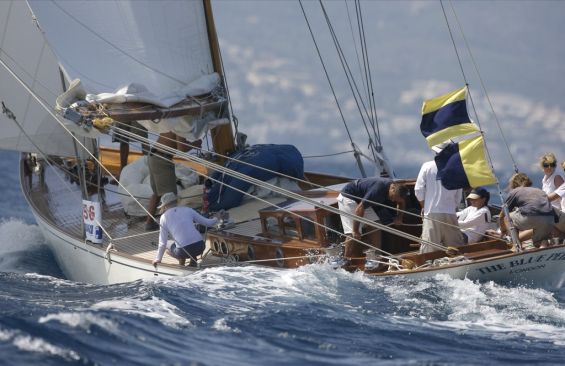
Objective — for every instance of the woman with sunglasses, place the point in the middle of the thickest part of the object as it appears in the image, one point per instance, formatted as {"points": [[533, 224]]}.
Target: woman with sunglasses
{"points": [[551, 179]]}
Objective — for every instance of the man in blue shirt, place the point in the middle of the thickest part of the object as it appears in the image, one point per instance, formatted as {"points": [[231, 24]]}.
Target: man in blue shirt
{"points": [[382, 194]]}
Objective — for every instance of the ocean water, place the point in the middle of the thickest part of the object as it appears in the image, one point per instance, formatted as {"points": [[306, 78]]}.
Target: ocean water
{"points": [[251, 315]]}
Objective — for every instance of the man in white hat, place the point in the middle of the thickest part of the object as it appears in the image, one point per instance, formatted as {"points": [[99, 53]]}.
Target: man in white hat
{"points": [[178, 223]]}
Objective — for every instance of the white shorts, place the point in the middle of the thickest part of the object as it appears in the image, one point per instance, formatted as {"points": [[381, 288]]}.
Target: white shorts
{"points": [[347, 205]]}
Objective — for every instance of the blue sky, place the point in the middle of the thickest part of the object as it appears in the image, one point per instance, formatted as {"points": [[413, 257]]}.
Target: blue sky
{"points": [[280, 93]]}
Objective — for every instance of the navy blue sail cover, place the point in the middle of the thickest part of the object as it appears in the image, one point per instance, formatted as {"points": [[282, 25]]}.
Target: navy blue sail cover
{"points": [[285, 159]]}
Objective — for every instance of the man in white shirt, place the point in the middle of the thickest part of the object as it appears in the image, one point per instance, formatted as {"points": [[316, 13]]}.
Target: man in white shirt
{"points": [[178, 222], [474, 221], [438, 208]]}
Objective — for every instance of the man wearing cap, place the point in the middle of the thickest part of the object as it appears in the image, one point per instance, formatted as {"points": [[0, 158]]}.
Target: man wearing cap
{"points": [[382, 194], [178, 223], [439, 205], [474, 221]]}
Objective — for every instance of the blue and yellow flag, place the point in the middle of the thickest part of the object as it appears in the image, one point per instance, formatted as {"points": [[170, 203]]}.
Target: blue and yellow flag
{"points": [[464, 164], [446, 117]]}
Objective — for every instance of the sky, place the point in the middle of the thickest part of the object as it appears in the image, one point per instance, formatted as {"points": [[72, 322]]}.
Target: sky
{"points": [[280, 93]]}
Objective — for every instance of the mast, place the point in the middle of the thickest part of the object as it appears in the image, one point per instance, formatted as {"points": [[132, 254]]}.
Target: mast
{"points": [[222, 136]]}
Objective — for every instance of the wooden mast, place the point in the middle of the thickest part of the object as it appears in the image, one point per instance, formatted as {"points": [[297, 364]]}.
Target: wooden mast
{"points": [[222, 136]]}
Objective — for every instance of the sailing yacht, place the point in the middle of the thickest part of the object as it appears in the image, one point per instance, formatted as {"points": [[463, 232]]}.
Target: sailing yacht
{"points": [[89, 69]]}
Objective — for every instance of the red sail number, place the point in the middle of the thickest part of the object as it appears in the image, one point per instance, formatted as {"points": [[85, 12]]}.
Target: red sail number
{"points": [[91, 213]]}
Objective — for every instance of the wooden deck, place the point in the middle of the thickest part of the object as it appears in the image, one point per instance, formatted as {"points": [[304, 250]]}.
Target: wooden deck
{"points": [[59, 201]]}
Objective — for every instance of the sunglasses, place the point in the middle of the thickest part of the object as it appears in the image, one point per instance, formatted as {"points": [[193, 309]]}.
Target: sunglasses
{"points": [[547, 165]]}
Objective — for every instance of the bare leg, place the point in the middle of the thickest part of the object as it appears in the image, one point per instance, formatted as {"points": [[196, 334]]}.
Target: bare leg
{"points": [[124, 154], [353, 249], [152, 207], [526, 234]]}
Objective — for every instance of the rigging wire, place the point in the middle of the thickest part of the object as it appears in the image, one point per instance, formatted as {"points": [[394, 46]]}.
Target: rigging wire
{"points": [[368, 78], [285, 193], [31, 92], [349, 77], [327, 189], [333, 91], [11, 116], [354, 41], [476, 66], [513, 230]]}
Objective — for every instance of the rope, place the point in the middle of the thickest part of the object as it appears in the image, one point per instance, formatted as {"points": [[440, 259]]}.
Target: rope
{"points": [[326, 155]]}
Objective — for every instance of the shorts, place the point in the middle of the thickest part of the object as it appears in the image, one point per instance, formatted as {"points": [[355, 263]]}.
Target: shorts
{"points": [[162, 177], [188, 251], [542, 225], [435, 231]]}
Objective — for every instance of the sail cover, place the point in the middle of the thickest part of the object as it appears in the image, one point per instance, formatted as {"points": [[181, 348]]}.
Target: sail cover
{"points": [[156, 47], [24, 51]]}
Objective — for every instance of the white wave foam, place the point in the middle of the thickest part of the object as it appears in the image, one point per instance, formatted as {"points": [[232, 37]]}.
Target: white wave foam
{"points": [[81, 320], [27, 343], [36, 345], [486, 308], [17, 238], [16, 235], [222, 326], [242, 290], [153, 307]]}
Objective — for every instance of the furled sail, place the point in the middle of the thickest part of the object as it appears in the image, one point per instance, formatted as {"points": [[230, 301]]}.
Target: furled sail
{"points": [[25, 53], [136, 60], [155, 49], [461, 159]]}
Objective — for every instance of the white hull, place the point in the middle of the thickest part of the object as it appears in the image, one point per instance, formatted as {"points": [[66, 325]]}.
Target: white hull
{"points": [[537, 268], [86, 263]]}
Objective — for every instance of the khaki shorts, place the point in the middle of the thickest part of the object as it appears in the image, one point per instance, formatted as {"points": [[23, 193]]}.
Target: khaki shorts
{"points": [[162, 175], [542, 225], [436, 232], [348, 205]]}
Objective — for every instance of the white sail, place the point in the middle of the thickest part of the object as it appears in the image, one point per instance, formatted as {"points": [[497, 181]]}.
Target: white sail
{"points": [[24, 51], [152, 48]]}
